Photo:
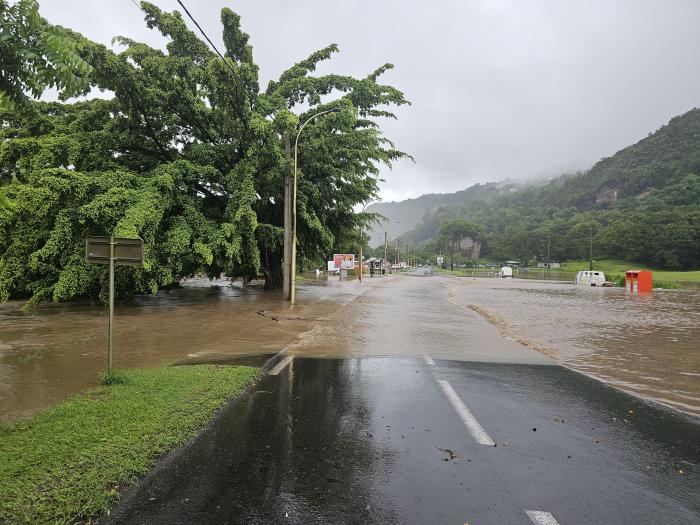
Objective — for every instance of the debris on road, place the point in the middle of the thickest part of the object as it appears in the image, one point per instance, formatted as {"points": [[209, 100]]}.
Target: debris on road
{"points": [[450, 454]]}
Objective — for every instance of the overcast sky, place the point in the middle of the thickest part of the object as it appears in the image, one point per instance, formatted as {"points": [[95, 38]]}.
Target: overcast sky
{"points": [[499, 89]]}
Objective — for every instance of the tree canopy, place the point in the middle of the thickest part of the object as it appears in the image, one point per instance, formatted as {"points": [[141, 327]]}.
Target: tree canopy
{"points": [[188, 155], [35, 56]]}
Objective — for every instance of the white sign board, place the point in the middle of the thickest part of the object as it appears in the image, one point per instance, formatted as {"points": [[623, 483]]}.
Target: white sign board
{"points": [[342, 261], [440, 259]]}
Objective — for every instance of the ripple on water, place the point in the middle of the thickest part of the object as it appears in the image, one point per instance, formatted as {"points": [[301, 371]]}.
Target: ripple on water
{"points": [[647, 345]]}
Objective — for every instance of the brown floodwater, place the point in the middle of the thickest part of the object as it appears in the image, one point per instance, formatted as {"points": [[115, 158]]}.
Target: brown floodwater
{"points": [[645, 344], [53, 351]]}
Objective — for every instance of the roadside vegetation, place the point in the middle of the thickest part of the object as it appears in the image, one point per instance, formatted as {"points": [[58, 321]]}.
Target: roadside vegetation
{"points": [[188, 155], [614, 267], [69, 463], [614, 271]]}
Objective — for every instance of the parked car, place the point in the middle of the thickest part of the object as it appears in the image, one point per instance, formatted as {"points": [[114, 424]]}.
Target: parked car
{"points": [[590, 278], [506, 271]]}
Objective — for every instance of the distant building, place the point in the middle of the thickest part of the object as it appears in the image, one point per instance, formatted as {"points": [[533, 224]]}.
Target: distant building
{"points": [[551, 265]]}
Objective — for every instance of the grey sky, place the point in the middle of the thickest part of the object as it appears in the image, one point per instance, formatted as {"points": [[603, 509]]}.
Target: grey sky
{"points": [[500, 89]]}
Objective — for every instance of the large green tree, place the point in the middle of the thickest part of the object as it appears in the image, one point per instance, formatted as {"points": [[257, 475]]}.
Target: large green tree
{"points": [[35, 56], [188, 155]]}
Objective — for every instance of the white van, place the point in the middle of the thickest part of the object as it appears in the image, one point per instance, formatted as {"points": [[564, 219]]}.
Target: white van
{"points": [[506, 271], [590, 278]]}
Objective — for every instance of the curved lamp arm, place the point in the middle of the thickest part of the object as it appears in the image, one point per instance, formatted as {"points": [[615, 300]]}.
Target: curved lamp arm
{"points": [[293, 288]]}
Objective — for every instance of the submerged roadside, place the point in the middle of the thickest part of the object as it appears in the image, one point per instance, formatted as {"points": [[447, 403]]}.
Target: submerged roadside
{"points": [[70, 463], [58, 350]]}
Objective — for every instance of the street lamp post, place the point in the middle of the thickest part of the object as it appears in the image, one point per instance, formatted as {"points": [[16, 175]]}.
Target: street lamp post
{"points": [[293, 288]]}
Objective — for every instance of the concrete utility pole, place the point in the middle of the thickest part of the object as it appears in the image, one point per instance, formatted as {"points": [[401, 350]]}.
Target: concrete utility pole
{"points": [[360, 253], [361, 238], [590, 255], [549, 239], [287, 267], [384, 265], [293, 270], [398, 254]]}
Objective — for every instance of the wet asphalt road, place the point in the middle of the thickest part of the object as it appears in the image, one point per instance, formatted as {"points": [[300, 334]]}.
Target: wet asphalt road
{"points": [[481, 431], [376, 440]]}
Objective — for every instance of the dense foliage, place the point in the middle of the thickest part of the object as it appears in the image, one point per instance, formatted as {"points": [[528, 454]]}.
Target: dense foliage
{"points": [[35, 56], [642, 204], [189, 156]]}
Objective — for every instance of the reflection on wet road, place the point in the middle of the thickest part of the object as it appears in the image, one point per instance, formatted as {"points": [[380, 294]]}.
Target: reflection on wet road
{"points": [[425, 406], [376, 440]]}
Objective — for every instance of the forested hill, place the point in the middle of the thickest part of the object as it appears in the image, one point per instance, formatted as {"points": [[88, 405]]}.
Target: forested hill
{"points": [[642, 204], [405, 215], [651, 163]]}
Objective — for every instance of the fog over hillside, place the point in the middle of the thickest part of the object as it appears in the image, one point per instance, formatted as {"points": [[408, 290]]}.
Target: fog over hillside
{"points": [[649, 163]]}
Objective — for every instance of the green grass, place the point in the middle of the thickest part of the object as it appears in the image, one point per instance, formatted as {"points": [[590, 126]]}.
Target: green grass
{"points": [[446, 271], [69, 463], [614, 271], [461, 272], [612, 266], [114, 377]]}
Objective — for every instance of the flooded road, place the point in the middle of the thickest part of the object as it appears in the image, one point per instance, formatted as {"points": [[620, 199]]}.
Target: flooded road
{"points": [[647, 345], [54, 351]]}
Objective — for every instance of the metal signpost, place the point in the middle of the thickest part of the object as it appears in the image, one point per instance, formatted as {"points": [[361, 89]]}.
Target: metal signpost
{"points": [[111, 251]]}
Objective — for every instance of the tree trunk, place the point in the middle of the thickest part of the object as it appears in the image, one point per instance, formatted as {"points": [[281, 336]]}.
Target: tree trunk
{"points": [[272, 267]]}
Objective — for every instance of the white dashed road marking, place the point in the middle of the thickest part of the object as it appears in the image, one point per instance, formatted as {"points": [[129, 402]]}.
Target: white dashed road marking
{"points": [[539, 517], [281, 366], [475, 429]]}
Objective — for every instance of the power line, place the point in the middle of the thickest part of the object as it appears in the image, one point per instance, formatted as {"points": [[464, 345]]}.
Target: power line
{"points": [[235, 73]]}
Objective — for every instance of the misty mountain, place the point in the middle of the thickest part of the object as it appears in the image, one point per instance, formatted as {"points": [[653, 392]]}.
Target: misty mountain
{"points": [[642, 204], [652, 163], [403, 216]]}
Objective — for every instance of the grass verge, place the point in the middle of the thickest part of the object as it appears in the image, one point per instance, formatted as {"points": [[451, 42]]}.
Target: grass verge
{"points": [[69, 463], [613, 266]]}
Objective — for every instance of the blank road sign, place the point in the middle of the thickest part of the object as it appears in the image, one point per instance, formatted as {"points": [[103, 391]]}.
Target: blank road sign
{"points": [[127, 252]]}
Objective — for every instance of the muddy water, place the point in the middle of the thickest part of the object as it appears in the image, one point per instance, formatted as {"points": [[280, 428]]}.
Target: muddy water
{"points": [[54, 351], [647, 345]]}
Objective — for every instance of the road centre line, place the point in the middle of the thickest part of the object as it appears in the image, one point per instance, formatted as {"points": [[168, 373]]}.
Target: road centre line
{"points": [[281, 366], [539, 517], [428, 360], [475, 429]]}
